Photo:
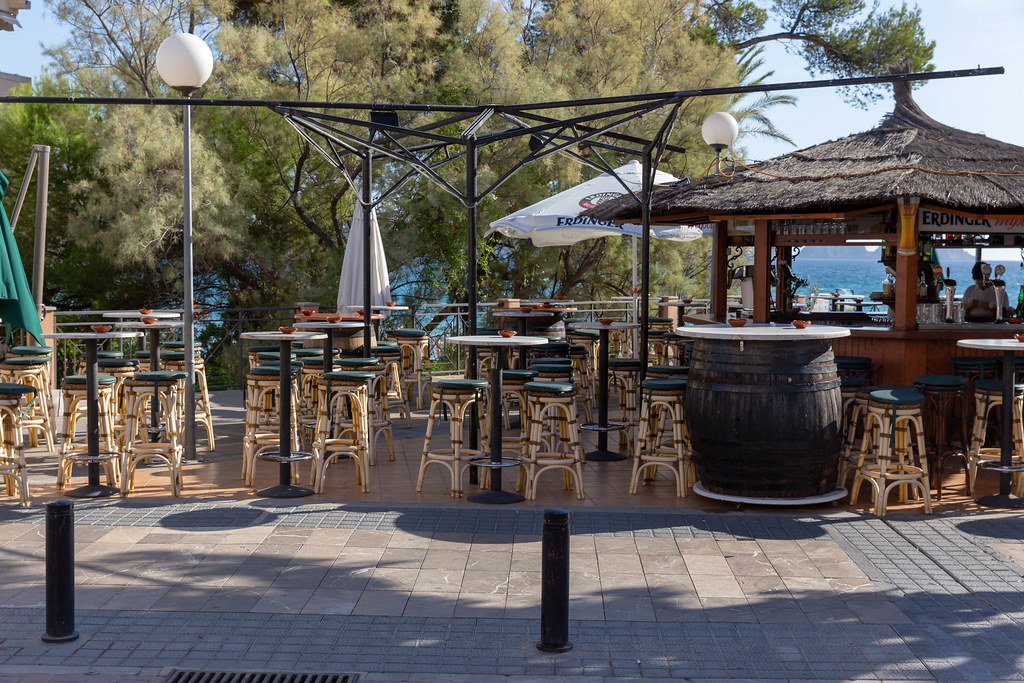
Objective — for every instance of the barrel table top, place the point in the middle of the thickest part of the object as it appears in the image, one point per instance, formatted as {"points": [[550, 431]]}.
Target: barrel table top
{"points": [[993, 344], [763, 332]]}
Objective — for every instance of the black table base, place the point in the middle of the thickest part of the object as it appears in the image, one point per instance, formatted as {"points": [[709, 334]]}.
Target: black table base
{"points": [[92, 491], [496, 497], [1001, 501], [285, 491], [603, 455]]}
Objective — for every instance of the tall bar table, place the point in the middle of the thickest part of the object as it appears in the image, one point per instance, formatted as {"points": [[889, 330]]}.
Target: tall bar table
{"points": [[496, 343], [328, 329], [603, 426], [284, 455], [94, 489], [1004, 466]]}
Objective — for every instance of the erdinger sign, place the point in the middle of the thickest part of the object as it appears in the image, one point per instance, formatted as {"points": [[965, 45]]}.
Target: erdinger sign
{"points": [[929, 220], [592, 200]]}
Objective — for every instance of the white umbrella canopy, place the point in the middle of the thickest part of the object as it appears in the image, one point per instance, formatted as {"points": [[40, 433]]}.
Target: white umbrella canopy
{"points": [[555, 221], [350, 284]]}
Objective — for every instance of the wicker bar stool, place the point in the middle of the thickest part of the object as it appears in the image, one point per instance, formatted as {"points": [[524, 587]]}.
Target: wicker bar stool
{"points": [[855, 366], [944, 397], [13, 401], [662, 439], [589, 339], [36, 352], [894, 427], [262, 386], [624, 373], [256, 349], [35, 372], [378, 407], [668, 371], [988, 396], [74, 393], [457, 396], [342, 425], [658, 346], [553, 437], [392, 359], [175, 362], [973, 368], [415, 346], [143, 443], [512, 383]]}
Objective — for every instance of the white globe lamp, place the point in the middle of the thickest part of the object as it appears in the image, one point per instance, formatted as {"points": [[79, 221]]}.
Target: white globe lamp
{"points": [[720, 130], [184, 61]]}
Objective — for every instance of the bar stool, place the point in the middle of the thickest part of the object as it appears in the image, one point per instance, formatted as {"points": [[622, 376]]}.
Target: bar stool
{"points": [[415, 346], [624, 373], [512, 383], [458, 396], [554, 437], [35, 352], [392, 358], [944, 395], [854, 392], [657, 345], [262, 386], [378, 407], [143, 442], [668, 371], [584, 372], [175, 362], [13, 401], [35, 372], [255, 350], [988, 396], [855, 366], [588, 339], [973, 368], [73, 394], [662, 439], [340, 437], [891, 415]]}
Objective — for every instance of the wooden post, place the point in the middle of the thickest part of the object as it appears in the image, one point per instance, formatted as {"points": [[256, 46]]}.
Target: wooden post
{"points": [[720, 272], [762, 262], [906, 266]]}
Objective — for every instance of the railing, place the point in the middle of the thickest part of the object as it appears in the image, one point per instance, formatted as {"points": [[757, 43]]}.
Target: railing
{"points": [[218, 332]]}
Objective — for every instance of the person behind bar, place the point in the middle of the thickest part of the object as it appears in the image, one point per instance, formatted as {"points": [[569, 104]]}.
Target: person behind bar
{"points": [[980, 298]]}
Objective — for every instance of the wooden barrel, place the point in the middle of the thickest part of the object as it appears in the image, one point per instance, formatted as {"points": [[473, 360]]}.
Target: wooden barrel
{"points": [[765, 417]]}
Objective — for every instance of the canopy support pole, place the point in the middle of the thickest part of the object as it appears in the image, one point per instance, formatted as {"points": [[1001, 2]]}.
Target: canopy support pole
{"points": [[645, 271], [367, 208]]}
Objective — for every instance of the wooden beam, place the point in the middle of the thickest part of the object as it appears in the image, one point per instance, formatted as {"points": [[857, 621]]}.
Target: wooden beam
{"points": [[720, 272], [762, 263]]}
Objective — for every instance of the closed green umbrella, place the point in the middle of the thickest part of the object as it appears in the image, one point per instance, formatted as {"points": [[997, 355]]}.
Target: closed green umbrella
{"points": [[17, 309]]}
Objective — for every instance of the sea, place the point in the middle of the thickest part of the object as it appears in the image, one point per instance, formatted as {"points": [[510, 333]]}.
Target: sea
{"points": [[864, 275]]}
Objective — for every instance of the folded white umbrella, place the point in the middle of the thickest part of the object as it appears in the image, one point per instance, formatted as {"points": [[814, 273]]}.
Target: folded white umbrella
{"points": [[350, 285]]}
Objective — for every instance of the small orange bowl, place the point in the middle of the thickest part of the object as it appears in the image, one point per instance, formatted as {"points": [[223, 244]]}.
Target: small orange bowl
{"points": [[100, 328], [535, 306], [389, 303], [525, 309], [560, 298], [333, 318], [687, 301], [307, 312], [737, 322], [360, 311], [1019, 337], [286, 330], [507, 333], [801, 324], [145, 311], [148, 321], [605, 321]]}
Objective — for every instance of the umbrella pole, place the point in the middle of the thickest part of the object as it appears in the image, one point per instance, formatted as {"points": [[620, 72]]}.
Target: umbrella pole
{"points": [[367, 251]]}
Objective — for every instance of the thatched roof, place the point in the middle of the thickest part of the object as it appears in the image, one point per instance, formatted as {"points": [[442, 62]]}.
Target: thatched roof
{"points": [[908, 154]]}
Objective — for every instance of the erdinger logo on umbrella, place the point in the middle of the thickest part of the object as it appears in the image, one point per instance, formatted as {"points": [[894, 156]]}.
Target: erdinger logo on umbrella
{"points": [[592, 200]]}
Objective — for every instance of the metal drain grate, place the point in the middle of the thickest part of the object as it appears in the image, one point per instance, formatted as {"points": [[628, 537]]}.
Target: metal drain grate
{"points": [[187, 676]]}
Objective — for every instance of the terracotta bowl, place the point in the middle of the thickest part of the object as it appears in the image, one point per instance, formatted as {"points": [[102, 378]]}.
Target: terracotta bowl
{"points": [[389, 303], [507, 333], [145, 311], [737, 322], [535, 306], [148, 321], [525, 309], [687, 301], [1019, 337], [1015, 321], [100, 328], [307, 312], [333, 318], [801, 324], [605, 321], [286, 330], [360, 311]]}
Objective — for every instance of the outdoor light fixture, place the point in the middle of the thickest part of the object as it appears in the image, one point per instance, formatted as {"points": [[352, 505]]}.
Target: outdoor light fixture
{"points": [[184, 62], [719, 131]]}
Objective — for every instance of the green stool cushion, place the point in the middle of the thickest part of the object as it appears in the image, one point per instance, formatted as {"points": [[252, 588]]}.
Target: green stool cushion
{"points": [[668, 370], [118, 362], [158, 376], [658, 319], [31, 350], [557, 388], [972, 362], [995, 386], [11, 389], [27, 361], [387, 351], [408, 333], [273, 369], [851, 362], [109, 354], [585, 333], [358, 362], [81, 379], [624, 363], [897, 396], [559, 348], [264, 347], [462, 384], [940, 381], [664, 384], [349, 376], [518, 375], [306, 353], [853, 382], [387, 344]]}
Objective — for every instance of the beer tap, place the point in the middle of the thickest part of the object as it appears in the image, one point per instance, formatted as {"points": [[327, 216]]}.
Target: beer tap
{"points": [[1000, 286], [950, 286]]}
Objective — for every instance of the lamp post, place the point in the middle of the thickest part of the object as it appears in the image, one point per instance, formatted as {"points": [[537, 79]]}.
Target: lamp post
{"points": [[184, 62]]}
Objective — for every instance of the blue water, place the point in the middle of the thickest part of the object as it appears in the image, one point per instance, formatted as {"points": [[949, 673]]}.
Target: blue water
{"points": [[864, 276]]}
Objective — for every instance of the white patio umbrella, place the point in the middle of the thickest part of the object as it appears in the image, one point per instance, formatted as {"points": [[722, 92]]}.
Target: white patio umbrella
{"points": [[555, 221], [350, 284]]}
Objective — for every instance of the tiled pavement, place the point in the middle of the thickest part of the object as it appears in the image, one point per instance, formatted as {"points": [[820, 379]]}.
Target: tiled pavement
{"points": [[412, 590]]}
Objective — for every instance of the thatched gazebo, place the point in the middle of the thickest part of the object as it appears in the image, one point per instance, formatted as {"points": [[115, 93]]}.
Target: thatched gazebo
{"points": [[908, 177]]}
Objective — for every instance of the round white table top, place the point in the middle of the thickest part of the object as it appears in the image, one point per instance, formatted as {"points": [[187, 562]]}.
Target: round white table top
{"points": [[599, 326], [537, 312], [138, 314], [324, 325], [383, 309], [279, 336], [762, 332], [91, 335], [677, 302], [496, 340], [993, 344], [158, 325]]}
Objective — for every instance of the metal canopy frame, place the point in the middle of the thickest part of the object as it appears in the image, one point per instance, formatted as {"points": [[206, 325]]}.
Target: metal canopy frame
{"points": [[552, 133]]}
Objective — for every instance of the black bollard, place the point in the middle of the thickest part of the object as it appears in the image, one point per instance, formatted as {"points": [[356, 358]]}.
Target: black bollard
{"points": [[554, 587], [60, 572]]}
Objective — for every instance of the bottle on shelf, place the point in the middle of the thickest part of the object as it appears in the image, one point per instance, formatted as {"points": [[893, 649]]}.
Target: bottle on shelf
{"points": [[888, 284], [1019, 313]]}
